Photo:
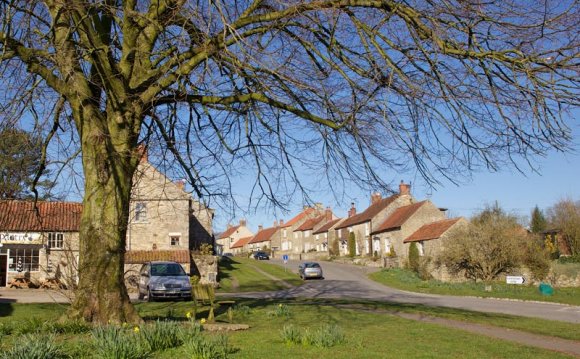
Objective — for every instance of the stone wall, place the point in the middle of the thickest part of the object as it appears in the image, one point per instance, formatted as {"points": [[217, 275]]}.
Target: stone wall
{"points": [[206, 267]]}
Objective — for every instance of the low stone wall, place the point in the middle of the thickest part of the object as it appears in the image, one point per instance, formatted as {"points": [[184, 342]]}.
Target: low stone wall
{"points": [[206, 267]]}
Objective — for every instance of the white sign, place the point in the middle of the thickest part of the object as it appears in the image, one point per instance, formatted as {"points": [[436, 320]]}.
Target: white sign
{"points": [[20, 238], [515, 279]]}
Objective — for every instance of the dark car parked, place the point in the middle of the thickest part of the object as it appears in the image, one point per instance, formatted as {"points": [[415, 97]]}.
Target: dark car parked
{"points": [[261, 256]]}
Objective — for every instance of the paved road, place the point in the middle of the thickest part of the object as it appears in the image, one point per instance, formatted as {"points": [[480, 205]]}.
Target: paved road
{"points": [[348, 281]]}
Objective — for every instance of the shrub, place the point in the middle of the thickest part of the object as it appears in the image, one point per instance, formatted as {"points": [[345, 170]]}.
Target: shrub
{"points": [[414, 257], [202, 347], [161, 335], [351, 244], [569, 259], [190, 332], [423, 268], [116, 343], [335, 248], [34, 347], [69, 327], [206, 249], [29, 326], [537, 259]]}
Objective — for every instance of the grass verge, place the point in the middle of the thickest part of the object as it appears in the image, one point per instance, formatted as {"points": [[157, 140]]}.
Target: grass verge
{"points": [[408, 280], [239, 274]]}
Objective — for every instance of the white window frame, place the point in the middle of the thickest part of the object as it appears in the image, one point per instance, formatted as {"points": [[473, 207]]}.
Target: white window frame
{"points": [[172, 243], [55, 240], [140, 212]]}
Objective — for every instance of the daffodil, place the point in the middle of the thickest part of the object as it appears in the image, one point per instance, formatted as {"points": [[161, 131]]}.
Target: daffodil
{"points": [[202, 320], [136, 329], [188, 315], [279, 305]]}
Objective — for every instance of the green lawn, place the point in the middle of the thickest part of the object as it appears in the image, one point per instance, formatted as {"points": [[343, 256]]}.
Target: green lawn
{"points": [[370, 332], [407, 280], [238, 274]]}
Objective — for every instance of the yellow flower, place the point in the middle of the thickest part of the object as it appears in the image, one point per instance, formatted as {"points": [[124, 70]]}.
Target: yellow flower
{"points": [[125, 325], [279, 305], [136, 329], [188, 315], [202, 320]]}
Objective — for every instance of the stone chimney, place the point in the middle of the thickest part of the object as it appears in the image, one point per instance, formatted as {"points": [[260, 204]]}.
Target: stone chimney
{"points": [[281, 222], [243, 222], [376, 197], [142, 152], [180, 184], [305, 207], [328, 214], [260, 227], [229, 225], [352, 210], [318, 206], [404, 188]]}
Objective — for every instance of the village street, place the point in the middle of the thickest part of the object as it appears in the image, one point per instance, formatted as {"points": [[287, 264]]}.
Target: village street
{"points": [[349, 281]]}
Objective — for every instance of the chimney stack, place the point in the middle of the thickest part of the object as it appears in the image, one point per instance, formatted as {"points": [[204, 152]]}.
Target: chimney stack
{"points": [[180, 184], [404, 188], [243, 222], [352, 210], [260, 227], [142, 152], [376, 197], [328, 214], [275, 223], [229, 225], [281, 222]]}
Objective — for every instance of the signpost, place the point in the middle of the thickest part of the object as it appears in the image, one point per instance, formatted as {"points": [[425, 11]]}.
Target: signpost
{"points": [[285, 259], [515, 279]]}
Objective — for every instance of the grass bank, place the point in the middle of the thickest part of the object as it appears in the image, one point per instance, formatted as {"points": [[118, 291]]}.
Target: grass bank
{"points": [[408, 280], [239, 274], [361, 330]]}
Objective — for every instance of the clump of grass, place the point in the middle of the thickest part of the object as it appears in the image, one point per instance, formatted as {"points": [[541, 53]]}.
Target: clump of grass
{"points": [[30, 346], [324, 337], [291, 335], [190, 331], [203, 347], [242, 310], [6, 329], [161, 335], [68, 327], [117, 343], [30, 326], [281, 310]]}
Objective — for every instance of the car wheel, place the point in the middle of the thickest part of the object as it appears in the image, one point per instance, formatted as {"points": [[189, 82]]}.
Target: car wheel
{"points": [[149, 297]]}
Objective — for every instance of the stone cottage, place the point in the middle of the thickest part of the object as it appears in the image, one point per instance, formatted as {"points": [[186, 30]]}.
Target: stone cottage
{"points": [[226, 240]]}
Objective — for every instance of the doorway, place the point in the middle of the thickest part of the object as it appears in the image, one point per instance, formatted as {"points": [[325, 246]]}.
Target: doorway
{"points": [[3, 272]]}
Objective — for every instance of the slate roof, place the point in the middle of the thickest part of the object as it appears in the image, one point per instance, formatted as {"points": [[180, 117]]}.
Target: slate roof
{"points": [[229, 232], [432, 230], [327, 226], [310, 223], [368, 213], [399, 217], [136, 257], [298, 217], [51, 216], [240, 243], [264, 235]]}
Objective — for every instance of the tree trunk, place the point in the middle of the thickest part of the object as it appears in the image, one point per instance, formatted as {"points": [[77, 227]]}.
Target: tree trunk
{"points": [[101, 296]]}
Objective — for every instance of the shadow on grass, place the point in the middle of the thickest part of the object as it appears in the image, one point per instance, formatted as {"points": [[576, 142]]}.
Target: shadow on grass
{"points": [[6, 309]]}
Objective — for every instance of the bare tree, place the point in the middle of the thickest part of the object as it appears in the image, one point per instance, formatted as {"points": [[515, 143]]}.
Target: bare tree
{"points": [[337, 89], [564, 216]]}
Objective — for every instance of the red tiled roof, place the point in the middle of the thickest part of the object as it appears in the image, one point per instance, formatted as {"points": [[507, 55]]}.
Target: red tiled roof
{"points": [[51, 216], [368, 213], [228, 232], [264, 235], [432, 230], [298, 217], [327, 226], [179, 256], [310, 223], [399, 217], [240, 243]]}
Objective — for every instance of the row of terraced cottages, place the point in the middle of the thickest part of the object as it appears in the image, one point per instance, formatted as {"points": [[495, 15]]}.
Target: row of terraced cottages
{"points": [[39, 241], [385, 228]]}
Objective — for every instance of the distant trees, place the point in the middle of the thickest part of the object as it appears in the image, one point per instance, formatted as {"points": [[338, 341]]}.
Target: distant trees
{"points": [[538, 222], [22, 169], [565, 216], [490, 245]]}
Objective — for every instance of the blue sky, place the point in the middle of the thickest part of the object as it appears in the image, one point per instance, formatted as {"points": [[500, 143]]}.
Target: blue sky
{"points": [[558, 177]]}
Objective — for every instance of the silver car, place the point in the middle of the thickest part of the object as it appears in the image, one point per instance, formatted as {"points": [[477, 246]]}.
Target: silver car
{"points": [[310, 270], [163, 280]]}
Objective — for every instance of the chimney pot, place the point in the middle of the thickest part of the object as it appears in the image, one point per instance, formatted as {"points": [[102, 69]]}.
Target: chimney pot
{"points": [[404, 188], [275, 223], [352, 210], [328, 213], [281, 222], [260, 227], [376, 197], [243, 222]]}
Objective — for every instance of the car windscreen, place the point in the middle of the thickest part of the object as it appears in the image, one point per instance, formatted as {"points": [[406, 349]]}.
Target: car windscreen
{"points": [[312, 265], [166, 269]]}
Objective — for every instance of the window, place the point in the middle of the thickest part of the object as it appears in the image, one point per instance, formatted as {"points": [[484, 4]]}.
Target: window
{"points": [[140, 212], [25, 259], [55, 240], [307, 234], [174, 240], [317, 237]]}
